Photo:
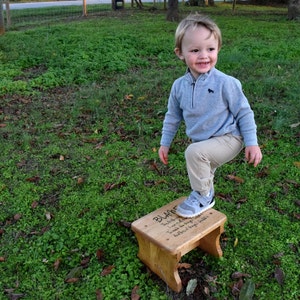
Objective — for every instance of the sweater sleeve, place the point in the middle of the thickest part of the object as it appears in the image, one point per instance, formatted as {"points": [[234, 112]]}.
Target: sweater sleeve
{"points": [[172, 120], [242, 112]]}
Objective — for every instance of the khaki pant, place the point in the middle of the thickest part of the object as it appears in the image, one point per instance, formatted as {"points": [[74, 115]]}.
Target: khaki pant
{"points": [[203, 158]]}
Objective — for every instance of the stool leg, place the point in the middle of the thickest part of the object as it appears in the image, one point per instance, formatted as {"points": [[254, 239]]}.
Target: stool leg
{"points": [[211, 242], [161, 262]]}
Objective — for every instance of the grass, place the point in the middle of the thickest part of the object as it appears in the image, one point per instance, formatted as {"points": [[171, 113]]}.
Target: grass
{"points": [[81, 111]]}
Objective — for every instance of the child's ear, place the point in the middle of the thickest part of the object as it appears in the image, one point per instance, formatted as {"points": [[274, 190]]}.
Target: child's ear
{"points": [[178, 53]]}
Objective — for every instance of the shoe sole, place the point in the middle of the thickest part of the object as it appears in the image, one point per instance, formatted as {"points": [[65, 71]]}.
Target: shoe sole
{"points": [[196, 214]]}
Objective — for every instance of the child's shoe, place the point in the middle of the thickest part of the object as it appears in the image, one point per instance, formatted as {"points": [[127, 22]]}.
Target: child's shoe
{"points": [[195, 204]]}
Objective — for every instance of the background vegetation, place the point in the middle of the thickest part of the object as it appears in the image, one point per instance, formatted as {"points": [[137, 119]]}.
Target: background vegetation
{"points": [[81, 109]]}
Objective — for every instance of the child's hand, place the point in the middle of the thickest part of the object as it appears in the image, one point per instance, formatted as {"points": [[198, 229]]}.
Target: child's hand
{"points": [[163, 154], [253, 155]]}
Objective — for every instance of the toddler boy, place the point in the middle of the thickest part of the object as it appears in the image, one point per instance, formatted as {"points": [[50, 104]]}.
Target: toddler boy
{"points": [[217, 115]]}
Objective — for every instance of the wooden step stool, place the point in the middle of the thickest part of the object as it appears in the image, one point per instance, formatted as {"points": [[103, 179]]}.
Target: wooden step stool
{"points": [[164, 237]]}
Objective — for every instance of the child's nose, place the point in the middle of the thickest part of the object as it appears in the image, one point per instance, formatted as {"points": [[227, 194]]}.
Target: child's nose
{"points": [[202, 54]]}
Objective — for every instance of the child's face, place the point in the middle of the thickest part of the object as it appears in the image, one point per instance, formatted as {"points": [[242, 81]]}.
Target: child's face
{"points": [[199, 50]]}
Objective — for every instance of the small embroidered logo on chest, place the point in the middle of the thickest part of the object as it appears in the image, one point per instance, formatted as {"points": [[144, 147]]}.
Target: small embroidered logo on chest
{"points": [[210, 91]]}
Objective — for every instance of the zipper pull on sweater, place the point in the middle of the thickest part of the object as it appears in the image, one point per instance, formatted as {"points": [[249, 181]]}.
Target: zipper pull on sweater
{"points": [[193, 90]]}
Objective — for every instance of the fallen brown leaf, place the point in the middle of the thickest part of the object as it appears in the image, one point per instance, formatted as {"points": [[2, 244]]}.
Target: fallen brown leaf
{"points": [[17, 217], [238, 275], [99, 295], [279, 276], [16, 296], [128, 97], [297, 164], [56, 264], [85, 262], [44, 229], [236, 288], [235, 178], [243, 200], [297, 216], [263, 173], [111, 186], [273, 195], [153, 166], [100, 254], [134, 293], [206, 291], [184, 266], [80, 180], [278, 255], [106, 271], [34, 204], [99, 146], [34, 179], [125, 224], [225, 197], [91, 141], [72, 280], [154, 182]]}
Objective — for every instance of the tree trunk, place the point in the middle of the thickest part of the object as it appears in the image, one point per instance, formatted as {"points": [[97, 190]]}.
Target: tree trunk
{"points": [[233, 6], [2, 26], [172, 12], [7, 14], [294, 10]]}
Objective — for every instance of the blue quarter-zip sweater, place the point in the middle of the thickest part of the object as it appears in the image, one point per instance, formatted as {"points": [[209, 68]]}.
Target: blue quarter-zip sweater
{"points": [[213, 105]]}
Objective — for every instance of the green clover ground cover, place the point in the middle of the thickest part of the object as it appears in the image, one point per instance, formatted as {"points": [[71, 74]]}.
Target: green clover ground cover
{"points": [[81, 110]]}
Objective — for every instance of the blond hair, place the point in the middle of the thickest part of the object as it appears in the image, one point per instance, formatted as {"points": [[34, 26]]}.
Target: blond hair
{"points": [[193, 21]]}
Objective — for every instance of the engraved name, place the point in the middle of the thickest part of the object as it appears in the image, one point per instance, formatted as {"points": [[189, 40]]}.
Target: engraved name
{"points": [[177, 226]]}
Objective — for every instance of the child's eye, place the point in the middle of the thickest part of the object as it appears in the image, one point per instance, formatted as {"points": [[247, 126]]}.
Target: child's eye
{"points": [[195, 50], [211, 49]]}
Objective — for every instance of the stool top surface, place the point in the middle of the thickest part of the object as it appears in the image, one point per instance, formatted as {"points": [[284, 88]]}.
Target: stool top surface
{"points": [[171, 232]]}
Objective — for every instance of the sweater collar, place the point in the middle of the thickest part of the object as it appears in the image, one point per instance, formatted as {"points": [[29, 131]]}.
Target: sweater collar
{"points": [[202, 77]]}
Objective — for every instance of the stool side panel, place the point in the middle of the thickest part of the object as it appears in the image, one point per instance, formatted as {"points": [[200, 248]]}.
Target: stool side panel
{"points": [[211, 242], [161, 262]]}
